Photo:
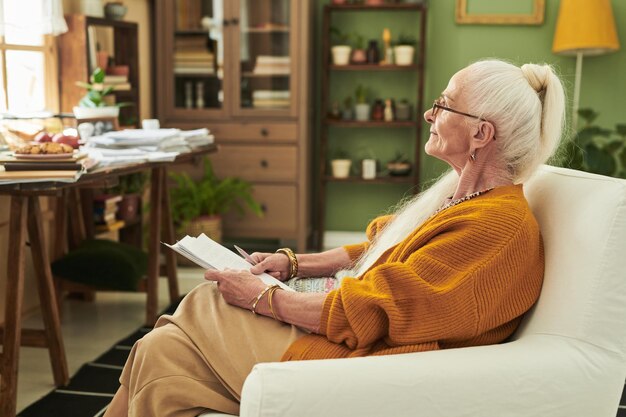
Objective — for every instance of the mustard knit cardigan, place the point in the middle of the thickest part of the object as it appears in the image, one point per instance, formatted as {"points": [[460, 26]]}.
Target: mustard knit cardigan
{"points": [[463, 278]]}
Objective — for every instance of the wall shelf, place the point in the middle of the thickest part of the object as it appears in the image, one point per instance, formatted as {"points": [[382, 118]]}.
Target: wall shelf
{"points": [[373, 67]]}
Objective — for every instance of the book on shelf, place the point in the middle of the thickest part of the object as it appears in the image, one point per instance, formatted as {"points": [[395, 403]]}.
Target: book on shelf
{"points": [[104, 218], [107, 199], [208, 254], [113, 79], [110, 227]]}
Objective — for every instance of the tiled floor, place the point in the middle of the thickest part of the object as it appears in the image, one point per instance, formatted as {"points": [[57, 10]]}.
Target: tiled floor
{"points": [[88, 330]]}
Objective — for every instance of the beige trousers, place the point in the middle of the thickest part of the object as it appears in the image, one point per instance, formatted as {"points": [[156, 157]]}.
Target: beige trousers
{"points": [[198, 358]]}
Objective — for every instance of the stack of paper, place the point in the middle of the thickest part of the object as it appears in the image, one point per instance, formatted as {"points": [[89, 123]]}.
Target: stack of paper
{"points": [[209, 254], [198, 137]]}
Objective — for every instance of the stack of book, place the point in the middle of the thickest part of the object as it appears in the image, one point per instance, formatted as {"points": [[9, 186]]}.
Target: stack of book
{"points": [[118, 82], [270, 99], [272, 65], [194, 62], [192, 56], [105, 211], [43, 168]]}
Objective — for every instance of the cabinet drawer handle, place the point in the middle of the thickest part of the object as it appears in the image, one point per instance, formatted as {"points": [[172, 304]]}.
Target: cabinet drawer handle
{"points": [[264, 163], [264, 132], [263, 208], [234, 21], [225, 22]]}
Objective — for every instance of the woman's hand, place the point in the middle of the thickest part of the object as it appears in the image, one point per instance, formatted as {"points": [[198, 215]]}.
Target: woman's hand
{"points": [[239, 288], [275, 264]]}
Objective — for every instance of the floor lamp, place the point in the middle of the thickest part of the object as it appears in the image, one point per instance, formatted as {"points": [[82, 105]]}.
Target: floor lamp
{"points": [[584, 27]]}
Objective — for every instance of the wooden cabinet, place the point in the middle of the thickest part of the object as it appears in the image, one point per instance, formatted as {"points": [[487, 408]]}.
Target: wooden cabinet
{"points": [[387, 81], [242, 69], [90, 40]]}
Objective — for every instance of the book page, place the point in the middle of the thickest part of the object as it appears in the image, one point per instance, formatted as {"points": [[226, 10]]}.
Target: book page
{"points": [[209, 254]]}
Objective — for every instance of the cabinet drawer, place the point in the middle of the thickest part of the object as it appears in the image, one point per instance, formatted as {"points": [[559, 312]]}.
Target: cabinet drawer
{"points": [[256, 163], [272, 132], [279, 206]]}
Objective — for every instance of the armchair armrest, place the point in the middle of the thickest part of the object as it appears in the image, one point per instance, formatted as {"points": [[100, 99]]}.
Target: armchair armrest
{"points": [[536, 375]]}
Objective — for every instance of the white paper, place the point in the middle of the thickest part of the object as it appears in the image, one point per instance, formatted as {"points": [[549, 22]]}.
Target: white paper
{"points": [[209, 254]]}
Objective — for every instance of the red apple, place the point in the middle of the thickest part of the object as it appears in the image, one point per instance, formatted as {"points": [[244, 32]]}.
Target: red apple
{"points": [[66, 139], [43, 137]]}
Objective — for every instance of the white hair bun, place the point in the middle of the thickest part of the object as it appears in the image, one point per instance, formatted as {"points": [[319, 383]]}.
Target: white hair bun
{"points": [[537, 75]]}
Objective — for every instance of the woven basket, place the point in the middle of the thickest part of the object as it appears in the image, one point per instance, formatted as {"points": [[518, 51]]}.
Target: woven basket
{"points": [[209, 225]]}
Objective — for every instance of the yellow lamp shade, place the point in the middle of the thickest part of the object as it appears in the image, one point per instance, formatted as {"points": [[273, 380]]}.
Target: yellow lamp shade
{"points": [[585, 26]]}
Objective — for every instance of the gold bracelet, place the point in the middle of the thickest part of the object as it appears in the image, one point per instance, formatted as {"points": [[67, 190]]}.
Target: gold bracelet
{"points": [[258, 297], [293, 261], [270, 294]]}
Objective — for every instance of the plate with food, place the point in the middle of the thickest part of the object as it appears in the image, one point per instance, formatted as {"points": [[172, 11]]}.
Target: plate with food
{"points": [[49, 150]]}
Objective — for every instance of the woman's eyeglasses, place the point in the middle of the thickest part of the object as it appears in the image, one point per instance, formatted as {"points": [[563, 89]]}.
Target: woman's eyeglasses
{"points": [[438, 104]]}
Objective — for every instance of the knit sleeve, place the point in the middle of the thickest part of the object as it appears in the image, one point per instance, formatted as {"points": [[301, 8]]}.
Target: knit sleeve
{"points": [[427, 297], [375, 226]]}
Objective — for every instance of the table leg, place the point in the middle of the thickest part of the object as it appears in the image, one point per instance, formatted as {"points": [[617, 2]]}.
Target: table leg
{"points": [[169, 237], [47, 293], [60, 241], [13, 308], [156, 192]]}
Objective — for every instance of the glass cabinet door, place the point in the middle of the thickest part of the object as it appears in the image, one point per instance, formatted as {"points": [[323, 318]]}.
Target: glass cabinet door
{"points": [[198, 55], [264, 47]]}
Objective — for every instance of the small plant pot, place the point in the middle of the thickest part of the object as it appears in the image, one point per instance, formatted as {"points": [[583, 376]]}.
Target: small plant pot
{"points": [[399, 169], [404, 54], [341, 54], [403, 111], [96, 112], [341, 167], [362, 111], [358, 56], [115, 10], [347, 114], [128, 208]]}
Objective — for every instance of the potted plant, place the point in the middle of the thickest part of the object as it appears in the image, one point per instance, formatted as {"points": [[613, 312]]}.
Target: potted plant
{"points": [[362, 108], [341, 164], [93, 104], [404, 50], [341, 49], [131, 188], [347, 112], [359, 54], [197, 206], [399, 165], [596, 149]]}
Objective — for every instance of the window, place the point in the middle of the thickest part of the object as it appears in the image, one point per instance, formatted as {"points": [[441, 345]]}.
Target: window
{"points": [[28, 69]]}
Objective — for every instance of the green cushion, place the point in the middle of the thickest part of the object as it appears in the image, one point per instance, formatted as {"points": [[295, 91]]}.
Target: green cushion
{"points": [[105, 264]]}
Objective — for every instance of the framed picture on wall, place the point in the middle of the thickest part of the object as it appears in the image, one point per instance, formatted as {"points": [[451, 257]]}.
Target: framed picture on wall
{"points": [[96, 126], [508, 12]]}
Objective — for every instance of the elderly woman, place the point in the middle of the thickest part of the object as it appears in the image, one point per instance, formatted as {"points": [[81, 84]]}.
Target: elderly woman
{"points": [[456, 266]]}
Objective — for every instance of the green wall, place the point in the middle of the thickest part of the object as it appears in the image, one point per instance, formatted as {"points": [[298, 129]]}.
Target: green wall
{"points": [[450, 47]]}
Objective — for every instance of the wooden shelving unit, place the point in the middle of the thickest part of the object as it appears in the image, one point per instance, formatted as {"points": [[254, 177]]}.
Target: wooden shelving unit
{"points": [[75, 63], [413, 127], [263, 137]]}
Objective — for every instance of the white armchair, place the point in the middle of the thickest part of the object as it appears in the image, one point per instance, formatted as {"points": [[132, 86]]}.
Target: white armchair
{"points": [[567, 358]]}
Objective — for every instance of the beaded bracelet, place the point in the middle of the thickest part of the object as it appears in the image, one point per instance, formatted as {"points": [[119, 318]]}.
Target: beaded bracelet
{"points": [[293, 261], [258, 297]]}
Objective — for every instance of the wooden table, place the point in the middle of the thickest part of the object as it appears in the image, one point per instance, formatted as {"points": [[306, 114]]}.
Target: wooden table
{"points": [[25, 217]]}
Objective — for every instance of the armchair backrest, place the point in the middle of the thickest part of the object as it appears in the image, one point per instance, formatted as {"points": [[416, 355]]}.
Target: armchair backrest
{"points": [[583, 222]]}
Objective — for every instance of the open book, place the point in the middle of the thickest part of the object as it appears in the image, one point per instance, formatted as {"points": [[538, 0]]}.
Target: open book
{"points": [[209, 254]]}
